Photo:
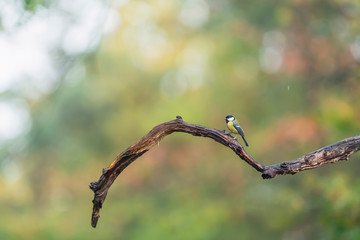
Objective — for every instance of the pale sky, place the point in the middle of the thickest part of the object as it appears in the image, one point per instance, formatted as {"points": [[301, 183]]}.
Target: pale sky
{"points": [[28, 43]]}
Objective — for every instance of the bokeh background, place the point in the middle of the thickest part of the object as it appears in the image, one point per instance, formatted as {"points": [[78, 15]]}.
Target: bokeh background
{"points": [[81, 80]]}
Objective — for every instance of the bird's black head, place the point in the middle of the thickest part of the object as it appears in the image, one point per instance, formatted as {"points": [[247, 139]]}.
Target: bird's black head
{"points": [[229, 118]]}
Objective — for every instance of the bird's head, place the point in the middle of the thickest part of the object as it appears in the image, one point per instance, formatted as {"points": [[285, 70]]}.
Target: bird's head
{"points": [[229, 118]]}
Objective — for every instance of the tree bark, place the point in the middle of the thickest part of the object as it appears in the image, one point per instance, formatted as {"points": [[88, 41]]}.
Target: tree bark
{"points": [[329, 154]]}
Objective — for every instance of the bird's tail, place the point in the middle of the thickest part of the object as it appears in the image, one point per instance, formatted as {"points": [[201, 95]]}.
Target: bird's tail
{"points": [[245, 141]]}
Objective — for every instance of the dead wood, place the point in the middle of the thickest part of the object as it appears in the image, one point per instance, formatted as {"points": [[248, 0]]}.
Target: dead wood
{"points": [[329, 154]]}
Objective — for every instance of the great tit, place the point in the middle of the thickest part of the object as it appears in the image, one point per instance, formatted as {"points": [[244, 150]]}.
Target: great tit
{"points": [[234, 127]]}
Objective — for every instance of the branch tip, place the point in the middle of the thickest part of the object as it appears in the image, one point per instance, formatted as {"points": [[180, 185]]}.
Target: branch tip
{"points": [[94, 221]]}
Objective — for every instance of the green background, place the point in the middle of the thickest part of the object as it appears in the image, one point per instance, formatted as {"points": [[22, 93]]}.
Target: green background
{"points": [[286, 69]]}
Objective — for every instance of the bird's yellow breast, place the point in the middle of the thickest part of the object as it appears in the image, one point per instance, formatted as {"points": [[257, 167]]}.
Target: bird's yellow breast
{"points": [[231, 127]]}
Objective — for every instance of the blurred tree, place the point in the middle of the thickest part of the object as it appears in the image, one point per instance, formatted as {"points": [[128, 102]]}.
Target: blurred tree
{"points": [[288, 71]]}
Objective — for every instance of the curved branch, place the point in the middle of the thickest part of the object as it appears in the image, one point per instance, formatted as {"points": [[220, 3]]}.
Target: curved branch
{"points": [[332, 153]]}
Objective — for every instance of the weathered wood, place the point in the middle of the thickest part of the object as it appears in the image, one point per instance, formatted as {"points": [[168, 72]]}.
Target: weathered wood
{"points": [[335, 152], [329, 154]]}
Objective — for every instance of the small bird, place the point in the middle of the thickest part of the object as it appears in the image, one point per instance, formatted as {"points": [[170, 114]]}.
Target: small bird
{"points": [[234, 127]]}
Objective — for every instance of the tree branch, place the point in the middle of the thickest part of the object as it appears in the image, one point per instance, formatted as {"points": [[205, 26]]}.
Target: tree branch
{"points": [[332, 153]]}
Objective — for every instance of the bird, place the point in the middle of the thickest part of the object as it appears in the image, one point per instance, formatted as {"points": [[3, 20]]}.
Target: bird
{"points": [[234, 127]]}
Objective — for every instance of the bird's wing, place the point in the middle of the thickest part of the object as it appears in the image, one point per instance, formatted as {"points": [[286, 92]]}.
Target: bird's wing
{"points": [[238, 128]]}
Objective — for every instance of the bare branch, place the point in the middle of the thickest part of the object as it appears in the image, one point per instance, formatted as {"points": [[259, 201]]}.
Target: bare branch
{"points": [[338, 151], [329, 154]]}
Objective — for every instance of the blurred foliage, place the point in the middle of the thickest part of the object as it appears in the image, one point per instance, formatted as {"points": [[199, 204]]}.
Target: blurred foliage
{"points": [[285, 69], [30, 5]]}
